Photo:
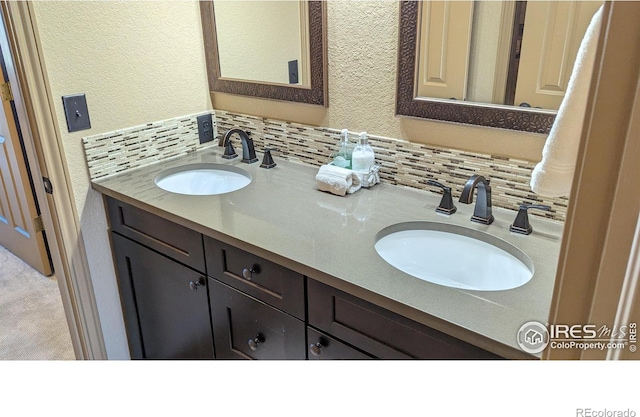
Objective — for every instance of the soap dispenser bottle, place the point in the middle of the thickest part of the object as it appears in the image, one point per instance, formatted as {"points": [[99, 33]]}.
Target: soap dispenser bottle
{"points": [[363, 156], [342, 156]]}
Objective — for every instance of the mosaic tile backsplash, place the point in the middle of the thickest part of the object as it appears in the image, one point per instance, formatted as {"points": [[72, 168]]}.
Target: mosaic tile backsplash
{"points": [[401, 163], [114, 152]]}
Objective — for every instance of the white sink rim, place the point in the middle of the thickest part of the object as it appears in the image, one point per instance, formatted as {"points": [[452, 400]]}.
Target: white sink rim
{"points": [[201, 179], [524, 267]]}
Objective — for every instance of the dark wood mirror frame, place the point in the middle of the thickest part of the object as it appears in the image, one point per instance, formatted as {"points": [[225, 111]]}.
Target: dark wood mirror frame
{"points": [[316, 94], [407, 104]]}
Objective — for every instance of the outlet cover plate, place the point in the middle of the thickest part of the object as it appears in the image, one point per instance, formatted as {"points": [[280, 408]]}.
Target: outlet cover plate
{"points": [[205, 128], [76, 112], [293, 72]]}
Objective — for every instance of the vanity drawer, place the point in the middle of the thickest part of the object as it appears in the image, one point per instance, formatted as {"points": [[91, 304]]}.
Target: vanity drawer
{"points": [[245, 328], [267, 281], [379, 332], [177, 242], [324, 347]]}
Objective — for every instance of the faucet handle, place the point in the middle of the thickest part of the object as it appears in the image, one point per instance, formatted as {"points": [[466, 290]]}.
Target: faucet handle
{"points": [[267, 159], [229, 152], [446, 204], [521, 224]]}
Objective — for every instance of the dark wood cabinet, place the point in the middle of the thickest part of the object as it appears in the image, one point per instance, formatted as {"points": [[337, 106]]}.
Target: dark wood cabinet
{"points": [[324, 347], [177, 242], [246, 306], [380, 332], [264, 280], [246, 328], [166, 306]]}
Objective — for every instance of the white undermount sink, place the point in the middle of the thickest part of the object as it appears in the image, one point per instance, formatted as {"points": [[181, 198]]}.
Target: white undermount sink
{"points": [[203, 179], [454, 256]]}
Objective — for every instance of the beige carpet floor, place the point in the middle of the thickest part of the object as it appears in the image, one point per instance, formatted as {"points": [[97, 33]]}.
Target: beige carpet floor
{"points": [[32, 321]]}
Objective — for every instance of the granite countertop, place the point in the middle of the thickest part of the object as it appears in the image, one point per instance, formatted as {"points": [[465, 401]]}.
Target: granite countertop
{"points": [[282, 216]]}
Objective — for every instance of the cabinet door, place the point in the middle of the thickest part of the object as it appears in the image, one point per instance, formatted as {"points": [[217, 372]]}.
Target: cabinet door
{"points": [[246, 328], [323, 347], [165, 304]]}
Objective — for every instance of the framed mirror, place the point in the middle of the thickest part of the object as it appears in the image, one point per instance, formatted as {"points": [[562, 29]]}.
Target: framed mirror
{"points": [[475, 63], [282, 57]]}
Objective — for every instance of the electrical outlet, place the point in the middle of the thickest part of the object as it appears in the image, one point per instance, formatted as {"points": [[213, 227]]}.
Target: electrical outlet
{"points": [[293, 72], [76, 112], [205, 128]]}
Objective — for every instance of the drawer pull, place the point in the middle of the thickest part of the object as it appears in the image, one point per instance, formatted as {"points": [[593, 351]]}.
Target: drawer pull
{"points": [[195, 284], [248, 273], [253, 343], [316, 349]]}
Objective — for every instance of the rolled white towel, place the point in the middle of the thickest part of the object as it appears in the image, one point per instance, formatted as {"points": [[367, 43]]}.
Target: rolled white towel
{"points": [[337, 180]]}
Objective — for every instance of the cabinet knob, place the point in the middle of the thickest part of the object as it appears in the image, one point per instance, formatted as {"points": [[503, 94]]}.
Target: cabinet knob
{"points": [[253, 343], [316, 348], [247, 273], [195, 284]]}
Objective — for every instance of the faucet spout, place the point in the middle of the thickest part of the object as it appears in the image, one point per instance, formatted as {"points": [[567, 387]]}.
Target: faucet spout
{"points": [[482, 212], [248, 150]]}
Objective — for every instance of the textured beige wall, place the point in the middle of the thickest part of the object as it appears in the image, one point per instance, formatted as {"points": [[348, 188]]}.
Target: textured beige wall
{"points": [[362, 41], [136, 62]]}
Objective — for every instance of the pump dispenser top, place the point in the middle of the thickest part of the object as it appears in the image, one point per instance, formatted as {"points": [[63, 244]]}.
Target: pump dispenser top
{"points": [[342, 156], [363, 156]]}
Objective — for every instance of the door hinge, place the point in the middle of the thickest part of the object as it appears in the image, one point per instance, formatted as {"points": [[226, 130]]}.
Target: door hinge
{"points": [[37, 224], [5, 90], [48, 187]]}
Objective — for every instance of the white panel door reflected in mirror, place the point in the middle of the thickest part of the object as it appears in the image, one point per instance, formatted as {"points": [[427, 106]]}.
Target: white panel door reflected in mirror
{"points": [[499, 52]]}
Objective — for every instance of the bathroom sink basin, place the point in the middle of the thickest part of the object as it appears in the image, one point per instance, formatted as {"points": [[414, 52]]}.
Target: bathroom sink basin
{"points": [[454, 256], [203, 179]]}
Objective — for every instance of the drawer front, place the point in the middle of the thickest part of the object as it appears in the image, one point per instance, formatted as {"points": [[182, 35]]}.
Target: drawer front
{"points": [[267, 281], [323, 347], [381, 333], [245, 328], [175, 241]]}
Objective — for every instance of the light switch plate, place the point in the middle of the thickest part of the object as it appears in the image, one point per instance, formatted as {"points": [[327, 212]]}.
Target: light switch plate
{"points": [[76, 112]]}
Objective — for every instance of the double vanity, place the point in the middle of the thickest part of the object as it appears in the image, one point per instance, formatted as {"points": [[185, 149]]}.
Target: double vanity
{"points": [[268, 267]]}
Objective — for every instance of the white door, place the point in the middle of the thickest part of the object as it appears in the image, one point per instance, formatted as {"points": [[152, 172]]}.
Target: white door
{"points": [[20, 231], [444, 38], [553, 31]]}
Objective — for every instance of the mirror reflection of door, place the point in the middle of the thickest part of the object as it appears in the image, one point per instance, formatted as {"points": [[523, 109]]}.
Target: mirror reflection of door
{"points": [[553, 31], [263, 41], [20, 230], [500, 52], [445, 40]]}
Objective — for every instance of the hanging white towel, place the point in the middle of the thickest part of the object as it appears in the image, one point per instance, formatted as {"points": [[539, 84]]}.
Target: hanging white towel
{"points": [[337, 180], [553, 176]]}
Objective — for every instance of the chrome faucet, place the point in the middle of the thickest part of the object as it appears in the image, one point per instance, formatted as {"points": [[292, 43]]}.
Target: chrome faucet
{"points": [[482, 211], [248, 151]]}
